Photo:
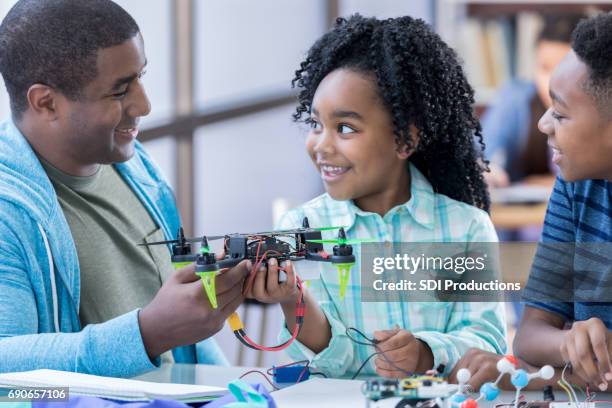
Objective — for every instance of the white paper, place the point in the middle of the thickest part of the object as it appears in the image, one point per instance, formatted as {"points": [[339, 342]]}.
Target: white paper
{"points": [[117, 388]]}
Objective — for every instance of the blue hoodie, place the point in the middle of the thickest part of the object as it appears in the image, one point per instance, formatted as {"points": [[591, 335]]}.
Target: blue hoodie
{"points": [[40, 277]]}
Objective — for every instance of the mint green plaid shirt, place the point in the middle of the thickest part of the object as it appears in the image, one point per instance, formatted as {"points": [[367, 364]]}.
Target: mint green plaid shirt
{"points": [[448, 328]]}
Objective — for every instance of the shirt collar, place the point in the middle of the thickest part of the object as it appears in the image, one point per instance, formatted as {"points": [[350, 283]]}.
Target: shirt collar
{"points": [[420, 206]]}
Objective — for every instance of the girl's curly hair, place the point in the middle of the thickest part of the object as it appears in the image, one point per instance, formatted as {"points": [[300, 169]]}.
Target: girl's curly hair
{"points": [[421, 82]]}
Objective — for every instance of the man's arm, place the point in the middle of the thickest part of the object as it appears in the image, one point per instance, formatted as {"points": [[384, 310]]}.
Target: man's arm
{"points": [[113, 348], [116, 347]]}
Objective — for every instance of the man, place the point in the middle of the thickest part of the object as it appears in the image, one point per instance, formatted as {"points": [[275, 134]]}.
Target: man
{"points": [[571, 278], [77, 193]]}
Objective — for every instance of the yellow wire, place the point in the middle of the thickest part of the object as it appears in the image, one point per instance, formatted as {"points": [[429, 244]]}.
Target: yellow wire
{"points": [[568, 385], [566, 390]]}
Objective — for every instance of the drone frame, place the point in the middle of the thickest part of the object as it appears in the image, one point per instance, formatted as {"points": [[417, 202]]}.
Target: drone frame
{"points": [[259, 248]]}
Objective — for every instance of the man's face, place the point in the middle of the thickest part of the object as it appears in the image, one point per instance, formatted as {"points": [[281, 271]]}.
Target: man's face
{"points": [[101, 126], [578, 133]]}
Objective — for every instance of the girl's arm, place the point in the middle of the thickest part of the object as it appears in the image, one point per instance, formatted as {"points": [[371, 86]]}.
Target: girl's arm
{"points": [[316, 331], [322, 339]]}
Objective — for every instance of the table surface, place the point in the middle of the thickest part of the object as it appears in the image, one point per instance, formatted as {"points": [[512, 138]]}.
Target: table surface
{"points": [[316, 392], [516, 216], [509, 216]]}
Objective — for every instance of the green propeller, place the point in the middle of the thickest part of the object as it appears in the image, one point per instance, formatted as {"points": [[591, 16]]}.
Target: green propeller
{"points": [[342, 240], [326, 228], [296, 231]]}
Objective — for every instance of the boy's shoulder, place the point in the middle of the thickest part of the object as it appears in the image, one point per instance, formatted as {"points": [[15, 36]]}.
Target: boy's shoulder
{"points": [[589, 201], [583, 207], [578, 191]]}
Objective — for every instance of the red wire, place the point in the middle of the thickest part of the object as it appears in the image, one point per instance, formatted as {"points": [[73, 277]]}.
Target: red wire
{"points": [[300, 309], [258, 262], [253, 271], [588, 391], [299, 312]]}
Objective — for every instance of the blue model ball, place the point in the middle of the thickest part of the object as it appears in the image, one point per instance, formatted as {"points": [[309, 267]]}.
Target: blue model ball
{"points": [[489, 390], [457, 399], [519, 379]]}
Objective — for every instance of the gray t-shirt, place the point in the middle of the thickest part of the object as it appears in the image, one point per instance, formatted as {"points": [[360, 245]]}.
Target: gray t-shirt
{"points": [[107, 222]]}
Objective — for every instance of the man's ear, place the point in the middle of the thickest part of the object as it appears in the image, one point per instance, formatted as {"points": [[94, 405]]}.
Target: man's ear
{"points": [[42, 100], [404, 151]]}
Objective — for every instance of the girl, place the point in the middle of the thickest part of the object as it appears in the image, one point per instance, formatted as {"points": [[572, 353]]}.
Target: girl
{"points": [[392, 135]]}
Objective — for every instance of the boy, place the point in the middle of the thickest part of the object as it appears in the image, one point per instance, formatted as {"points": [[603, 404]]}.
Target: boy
{"points": [[579, 130]]}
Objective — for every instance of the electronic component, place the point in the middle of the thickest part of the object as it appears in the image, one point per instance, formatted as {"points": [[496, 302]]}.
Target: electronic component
{"points": [[415, 388], [291, 374]]}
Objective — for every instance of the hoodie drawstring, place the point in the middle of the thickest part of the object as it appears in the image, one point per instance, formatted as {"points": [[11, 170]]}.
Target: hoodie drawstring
{"points": [[52, 277]]}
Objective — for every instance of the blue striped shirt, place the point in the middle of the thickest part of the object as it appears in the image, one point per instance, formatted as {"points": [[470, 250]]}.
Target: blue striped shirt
{"points": [[573, 263], [448, 328]]}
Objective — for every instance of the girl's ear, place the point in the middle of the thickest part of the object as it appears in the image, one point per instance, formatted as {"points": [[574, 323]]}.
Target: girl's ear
{"points": [[404, 151]]}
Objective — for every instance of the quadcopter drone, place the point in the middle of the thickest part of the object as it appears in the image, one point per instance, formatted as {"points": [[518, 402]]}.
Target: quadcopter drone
{"points": [[298, 244]]}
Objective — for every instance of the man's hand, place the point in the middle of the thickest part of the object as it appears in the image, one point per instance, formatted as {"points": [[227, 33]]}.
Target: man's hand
{"points": [[404, 354], [181, 314], [587, 347], [266, 287]]}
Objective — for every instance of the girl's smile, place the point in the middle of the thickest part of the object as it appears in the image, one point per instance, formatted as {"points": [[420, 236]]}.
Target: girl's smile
{"points": [[331, 173]]}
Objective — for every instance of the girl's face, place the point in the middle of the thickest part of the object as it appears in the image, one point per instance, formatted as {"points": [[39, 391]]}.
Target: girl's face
{"points": [[352, 144]]}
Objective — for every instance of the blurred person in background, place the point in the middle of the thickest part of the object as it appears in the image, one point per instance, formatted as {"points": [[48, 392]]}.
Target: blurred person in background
{"points": [[515, 147]]}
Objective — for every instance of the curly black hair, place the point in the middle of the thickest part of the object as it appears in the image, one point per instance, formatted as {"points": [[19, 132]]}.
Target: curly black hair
{"points": [[421, 82], [592, 43], [55, 42]]}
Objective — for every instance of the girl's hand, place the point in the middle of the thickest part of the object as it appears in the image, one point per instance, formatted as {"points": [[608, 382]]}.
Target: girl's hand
{"points": [[404, 354], [266, 287]]}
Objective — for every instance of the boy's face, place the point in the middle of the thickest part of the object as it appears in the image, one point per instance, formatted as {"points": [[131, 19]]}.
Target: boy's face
{"points": [[101, 126], [578, 133], [352, 142]]}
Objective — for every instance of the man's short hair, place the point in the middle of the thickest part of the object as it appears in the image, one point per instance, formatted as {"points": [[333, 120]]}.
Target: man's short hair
{"points": [[592, 43], [55, 42]]}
